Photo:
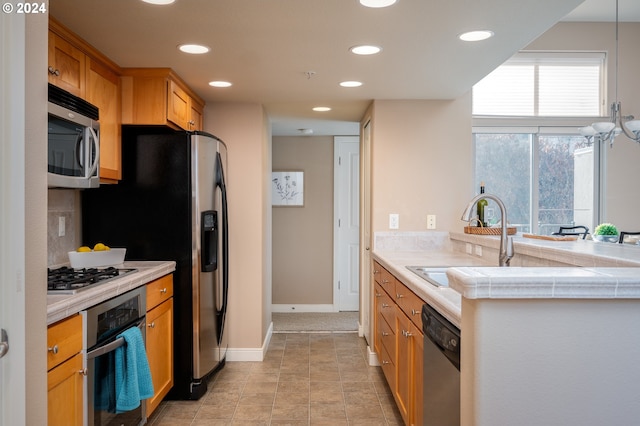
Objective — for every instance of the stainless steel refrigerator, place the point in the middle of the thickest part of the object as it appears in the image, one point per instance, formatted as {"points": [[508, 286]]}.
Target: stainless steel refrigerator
{"points": [[171, 204]]}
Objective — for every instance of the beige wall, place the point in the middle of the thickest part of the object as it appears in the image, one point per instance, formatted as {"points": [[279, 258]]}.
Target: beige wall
{"points": [[303, 236], [244, 129], [35, 202], [622, 203], [421, 163]]}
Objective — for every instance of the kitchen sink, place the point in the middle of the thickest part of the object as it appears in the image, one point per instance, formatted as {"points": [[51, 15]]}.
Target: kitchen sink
{"points": [[435, 275]]}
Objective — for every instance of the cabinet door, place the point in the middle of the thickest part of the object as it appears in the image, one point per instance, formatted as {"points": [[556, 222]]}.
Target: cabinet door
{"points": [[404, 364], [66, 65], [195, 122], [64, 397], [103, 91], [160, 351], [178, 106], [417, 339]]}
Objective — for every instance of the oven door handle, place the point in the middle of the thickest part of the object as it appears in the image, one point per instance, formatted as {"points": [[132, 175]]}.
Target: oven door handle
{"points": [[113, 345], [106, 348]]}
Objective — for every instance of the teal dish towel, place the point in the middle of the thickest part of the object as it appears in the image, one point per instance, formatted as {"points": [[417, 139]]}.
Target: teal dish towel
{"points": [[133, 376]]}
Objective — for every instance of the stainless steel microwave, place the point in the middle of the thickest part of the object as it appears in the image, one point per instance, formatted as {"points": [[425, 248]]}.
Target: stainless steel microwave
{"points": [[74, 142]]}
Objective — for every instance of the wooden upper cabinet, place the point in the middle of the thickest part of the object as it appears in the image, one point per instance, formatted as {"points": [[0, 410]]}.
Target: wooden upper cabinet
{"points": [[66, 65], [103, 91], [153, 96], [78, 68]]}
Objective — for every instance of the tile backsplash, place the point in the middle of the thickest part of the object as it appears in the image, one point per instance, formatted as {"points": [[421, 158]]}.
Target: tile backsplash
{"points": [[63, 206]]}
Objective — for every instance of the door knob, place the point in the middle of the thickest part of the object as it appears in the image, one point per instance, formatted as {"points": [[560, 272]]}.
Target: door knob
{"points": [[4, 342]]}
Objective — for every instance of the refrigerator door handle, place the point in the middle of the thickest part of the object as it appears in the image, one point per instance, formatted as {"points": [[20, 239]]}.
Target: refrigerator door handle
{"points": [[209, 240], [224, 256]]}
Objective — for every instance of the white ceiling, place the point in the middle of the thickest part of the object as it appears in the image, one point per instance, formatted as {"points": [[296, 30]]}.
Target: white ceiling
{"points": [[267, 47]]}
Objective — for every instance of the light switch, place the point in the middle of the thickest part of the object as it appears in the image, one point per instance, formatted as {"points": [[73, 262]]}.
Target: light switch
{"points": [[394, 221]]}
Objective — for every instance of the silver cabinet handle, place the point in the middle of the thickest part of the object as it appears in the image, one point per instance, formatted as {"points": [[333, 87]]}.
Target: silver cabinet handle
{"points": [[399, 296], [54, 349], [163, 291], [378, 295], [385, 362], [414, 312], [152, 325], [83, 372], [4, 342], [384, 305], [53, 71], [384, 334]]}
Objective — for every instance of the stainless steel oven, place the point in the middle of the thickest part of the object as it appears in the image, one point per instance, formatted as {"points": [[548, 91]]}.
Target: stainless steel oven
{"points": [[104, 322]]}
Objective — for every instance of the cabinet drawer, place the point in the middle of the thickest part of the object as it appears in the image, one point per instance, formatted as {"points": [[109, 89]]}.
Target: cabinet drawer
{"points": [[385, 305], [388, 367], [387, 337], [387, 282], [377, 272], [159, 290], [64, 340], [409, 303]]}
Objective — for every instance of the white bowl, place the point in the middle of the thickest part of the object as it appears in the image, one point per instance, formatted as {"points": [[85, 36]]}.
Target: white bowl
{"points": [[606, 238], [93, 259]]}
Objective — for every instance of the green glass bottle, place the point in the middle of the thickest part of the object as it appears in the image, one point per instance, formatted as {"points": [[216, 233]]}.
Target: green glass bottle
{"points": [[481, 205]]}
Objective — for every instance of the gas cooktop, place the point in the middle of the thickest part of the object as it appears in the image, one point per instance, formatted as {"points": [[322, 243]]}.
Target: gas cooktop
{"points": [[66, 280]]}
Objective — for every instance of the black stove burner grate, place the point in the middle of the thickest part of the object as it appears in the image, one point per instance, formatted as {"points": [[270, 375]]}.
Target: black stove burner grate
{"points": [[69, 279]]}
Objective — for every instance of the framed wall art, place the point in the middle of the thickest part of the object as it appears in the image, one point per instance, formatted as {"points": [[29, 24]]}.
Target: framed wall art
{"points": [[287, 188]]}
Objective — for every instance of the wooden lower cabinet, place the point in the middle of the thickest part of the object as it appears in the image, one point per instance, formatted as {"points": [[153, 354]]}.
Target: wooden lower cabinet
{"points": [[64, 393], [65, 376], [159, 339], [398, 342]]}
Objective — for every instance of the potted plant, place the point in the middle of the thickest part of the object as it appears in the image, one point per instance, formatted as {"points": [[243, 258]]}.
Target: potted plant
{"points": [[606, 232]]}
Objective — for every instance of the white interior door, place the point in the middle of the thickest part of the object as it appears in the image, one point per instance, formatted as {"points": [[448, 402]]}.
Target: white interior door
{"points": [[346, 222]]}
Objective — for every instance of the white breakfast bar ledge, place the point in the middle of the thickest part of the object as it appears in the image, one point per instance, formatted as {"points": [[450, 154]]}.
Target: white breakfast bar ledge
{"points": [[552, 340], [555, 345]]}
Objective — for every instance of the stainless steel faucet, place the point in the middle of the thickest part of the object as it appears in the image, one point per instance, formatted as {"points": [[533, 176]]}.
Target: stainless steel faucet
{"points": [[506, 242]]}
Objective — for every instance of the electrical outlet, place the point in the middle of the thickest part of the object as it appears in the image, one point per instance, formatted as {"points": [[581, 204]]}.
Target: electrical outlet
{"points": [[478, 250], [394, 221], [431, 221], [469, 248], [61, 226]]}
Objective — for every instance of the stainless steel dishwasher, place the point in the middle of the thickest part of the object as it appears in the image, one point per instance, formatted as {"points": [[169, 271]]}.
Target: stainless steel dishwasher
{"points": [[441, 397]]}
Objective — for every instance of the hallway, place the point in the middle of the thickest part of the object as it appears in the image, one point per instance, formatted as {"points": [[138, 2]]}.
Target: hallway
{"points": [[305, 379]]}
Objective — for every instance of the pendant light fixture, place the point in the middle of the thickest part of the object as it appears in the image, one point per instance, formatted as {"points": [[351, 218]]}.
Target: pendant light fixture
{"points": [[606, 131]]}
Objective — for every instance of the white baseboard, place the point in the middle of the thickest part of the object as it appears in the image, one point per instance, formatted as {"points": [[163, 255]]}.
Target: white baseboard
{"points": [[303, 308], [251, 354], [372, 357]]}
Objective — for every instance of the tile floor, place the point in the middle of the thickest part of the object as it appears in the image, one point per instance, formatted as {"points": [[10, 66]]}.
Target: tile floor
{"points": [[305, 379]]}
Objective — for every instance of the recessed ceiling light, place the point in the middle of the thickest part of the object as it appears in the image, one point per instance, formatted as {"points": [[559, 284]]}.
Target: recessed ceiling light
{"points": [[196, 49], [321, 109], [160, 2], [351, 84], [365, 49], [377, 3], [476, 35], [219, 83]]}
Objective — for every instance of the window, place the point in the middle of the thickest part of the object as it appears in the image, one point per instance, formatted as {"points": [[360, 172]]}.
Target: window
{"points": [[545, 180], [527, 148], [543, 85]]}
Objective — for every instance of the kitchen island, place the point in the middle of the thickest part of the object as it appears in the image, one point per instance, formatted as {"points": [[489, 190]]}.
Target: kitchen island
{"points": [[550, 344]]}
